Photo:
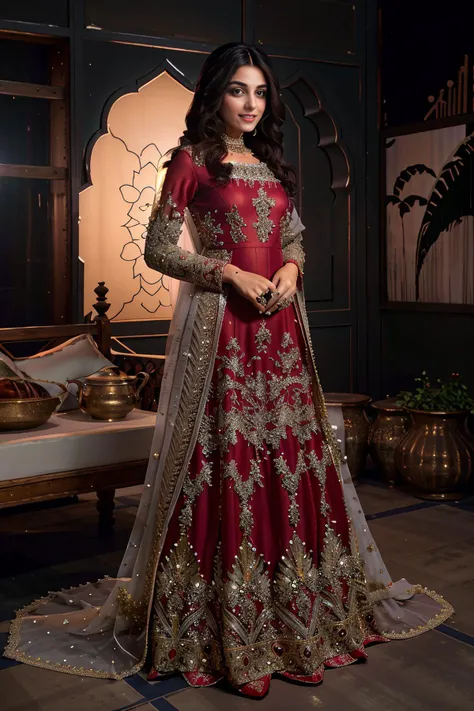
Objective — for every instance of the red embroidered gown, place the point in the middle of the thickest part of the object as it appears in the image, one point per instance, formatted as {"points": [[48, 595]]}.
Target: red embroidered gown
{"points": [[260, 573]]}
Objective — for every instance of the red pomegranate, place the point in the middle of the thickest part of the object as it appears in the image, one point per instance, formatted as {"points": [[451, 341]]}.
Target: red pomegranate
{"points": [[11, 389]]}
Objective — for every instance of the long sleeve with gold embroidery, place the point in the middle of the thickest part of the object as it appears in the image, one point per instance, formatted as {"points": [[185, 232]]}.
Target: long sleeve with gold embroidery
{"points": [[292, 241], [161, 248]]}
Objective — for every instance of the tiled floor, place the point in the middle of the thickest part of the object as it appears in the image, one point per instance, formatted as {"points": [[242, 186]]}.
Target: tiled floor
{"points": [[46, 548]]}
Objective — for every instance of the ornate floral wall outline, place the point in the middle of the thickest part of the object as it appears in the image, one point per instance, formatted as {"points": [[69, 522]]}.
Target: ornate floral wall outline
{"points": [[146, 293]]}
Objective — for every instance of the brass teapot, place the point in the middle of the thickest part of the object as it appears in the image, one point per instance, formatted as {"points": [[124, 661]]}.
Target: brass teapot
{"points": [[109, 394]]}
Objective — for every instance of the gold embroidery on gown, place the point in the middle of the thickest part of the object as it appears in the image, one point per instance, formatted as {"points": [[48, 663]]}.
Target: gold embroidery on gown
{"points": [[245, 622], [292, 623], [263, 205], [236, 225], [163, 254], [292, 243], [251, 173]]}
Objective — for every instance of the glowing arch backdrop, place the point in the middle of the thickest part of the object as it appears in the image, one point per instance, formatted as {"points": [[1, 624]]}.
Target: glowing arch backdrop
{"points": [[114, 208]]}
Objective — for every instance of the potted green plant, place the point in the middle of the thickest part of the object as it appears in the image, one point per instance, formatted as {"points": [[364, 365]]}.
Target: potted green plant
{"points": [[436, 454]]}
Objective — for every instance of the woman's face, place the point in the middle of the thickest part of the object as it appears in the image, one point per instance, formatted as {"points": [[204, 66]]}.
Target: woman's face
{"points": [[244, 100]]}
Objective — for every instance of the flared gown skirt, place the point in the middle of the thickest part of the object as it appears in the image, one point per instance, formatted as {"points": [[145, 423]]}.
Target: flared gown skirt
{"points": [[260, 571]]}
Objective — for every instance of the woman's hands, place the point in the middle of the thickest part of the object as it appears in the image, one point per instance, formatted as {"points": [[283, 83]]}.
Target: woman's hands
{"points": [[285, 280], [250, 285]]}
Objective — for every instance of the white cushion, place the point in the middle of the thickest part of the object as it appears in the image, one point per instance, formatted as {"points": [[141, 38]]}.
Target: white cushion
{"points": [[72, 440], [73, 359], [8, 369]]}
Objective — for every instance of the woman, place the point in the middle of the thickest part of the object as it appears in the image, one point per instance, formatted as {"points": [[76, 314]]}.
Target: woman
{"points": [[249, 555]]}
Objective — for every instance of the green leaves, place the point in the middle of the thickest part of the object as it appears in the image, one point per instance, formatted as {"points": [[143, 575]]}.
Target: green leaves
{"points": [[449, 396]]}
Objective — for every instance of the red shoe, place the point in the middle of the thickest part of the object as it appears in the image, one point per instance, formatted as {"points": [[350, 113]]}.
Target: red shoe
{"points": [[374, 639], [315, 678], [154, 675], [198, 679], [257, 689]]}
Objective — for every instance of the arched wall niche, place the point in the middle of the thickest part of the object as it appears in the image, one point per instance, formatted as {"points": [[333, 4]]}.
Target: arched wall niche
{"points": [[325, 175], [123, 163]]}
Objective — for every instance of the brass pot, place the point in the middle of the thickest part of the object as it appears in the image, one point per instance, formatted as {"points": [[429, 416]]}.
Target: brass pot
{"points": [[436, 455], [390, 425], [356, 427], [109, 394], [26, 413]]}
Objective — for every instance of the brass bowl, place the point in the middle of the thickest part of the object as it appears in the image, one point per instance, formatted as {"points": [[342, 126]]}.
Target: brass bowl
{"points": [[26, 413]]}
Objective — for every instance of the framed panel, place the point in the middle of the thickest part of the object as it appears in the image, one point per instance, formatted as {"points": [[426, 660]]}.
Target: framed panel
{"points": [[312, 144], [26, 274], [33, 180], [439, 343], [25, 61], [333, 353], [429, 215], [46, 12], [26, 122], [213, 22], [317, 26], [425, 83]]}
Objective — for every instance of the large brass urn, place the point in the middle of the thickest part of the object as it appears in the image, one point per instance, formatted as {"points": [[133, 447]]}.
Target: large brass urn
{"points": [[356, 428], [436, 455], [386, 431]]}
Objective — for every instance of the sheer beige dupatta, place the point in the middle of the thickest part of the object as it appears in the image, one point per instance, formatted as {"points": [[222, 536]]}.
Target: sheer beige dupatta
{"points": [[100, 629]]}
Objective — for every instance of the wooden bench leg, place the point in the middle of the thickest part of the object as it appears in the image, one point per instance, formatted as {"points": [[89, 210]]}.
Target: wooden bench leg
{"points": [[105, 506]]}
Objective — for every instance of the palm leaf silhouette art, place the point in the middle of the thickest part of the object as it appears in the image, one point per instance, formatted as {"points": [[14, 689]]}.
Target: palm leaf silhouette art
{"points": [[405, 204], [451, 199], [407, 174]]}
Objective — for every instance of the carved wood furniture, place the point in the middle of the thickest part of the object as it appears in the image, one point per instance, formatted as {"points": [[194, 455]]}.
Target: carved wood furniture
{"points": [[81, 447]]}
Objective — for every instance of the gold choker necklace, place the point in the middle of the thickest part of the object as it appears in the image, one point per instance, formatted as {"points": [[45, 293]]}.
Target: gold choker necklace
{"points": [[235, 145]]}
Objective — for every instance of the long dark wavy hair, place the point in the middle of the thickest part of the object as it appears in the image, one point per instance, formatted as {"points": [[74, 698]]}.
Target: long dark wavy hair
{"points": [[204, 127]]}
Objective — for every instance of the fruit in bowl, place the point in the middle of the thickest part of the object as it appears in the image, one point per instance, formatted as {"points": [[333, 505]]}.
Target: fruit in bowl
{"points": [[14, 388], [24, 404]]}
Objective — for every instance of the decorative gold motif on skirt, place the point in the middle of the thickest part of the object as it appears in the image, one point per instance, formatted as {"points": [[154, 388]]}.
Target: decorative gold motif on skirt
{"points": [[261, 407], [295, 622]]}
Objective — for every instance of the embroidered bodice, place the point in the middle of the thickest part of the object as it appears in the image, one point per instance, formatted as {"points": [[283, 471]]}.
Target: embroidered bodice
{"points": [[252, 210]]}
